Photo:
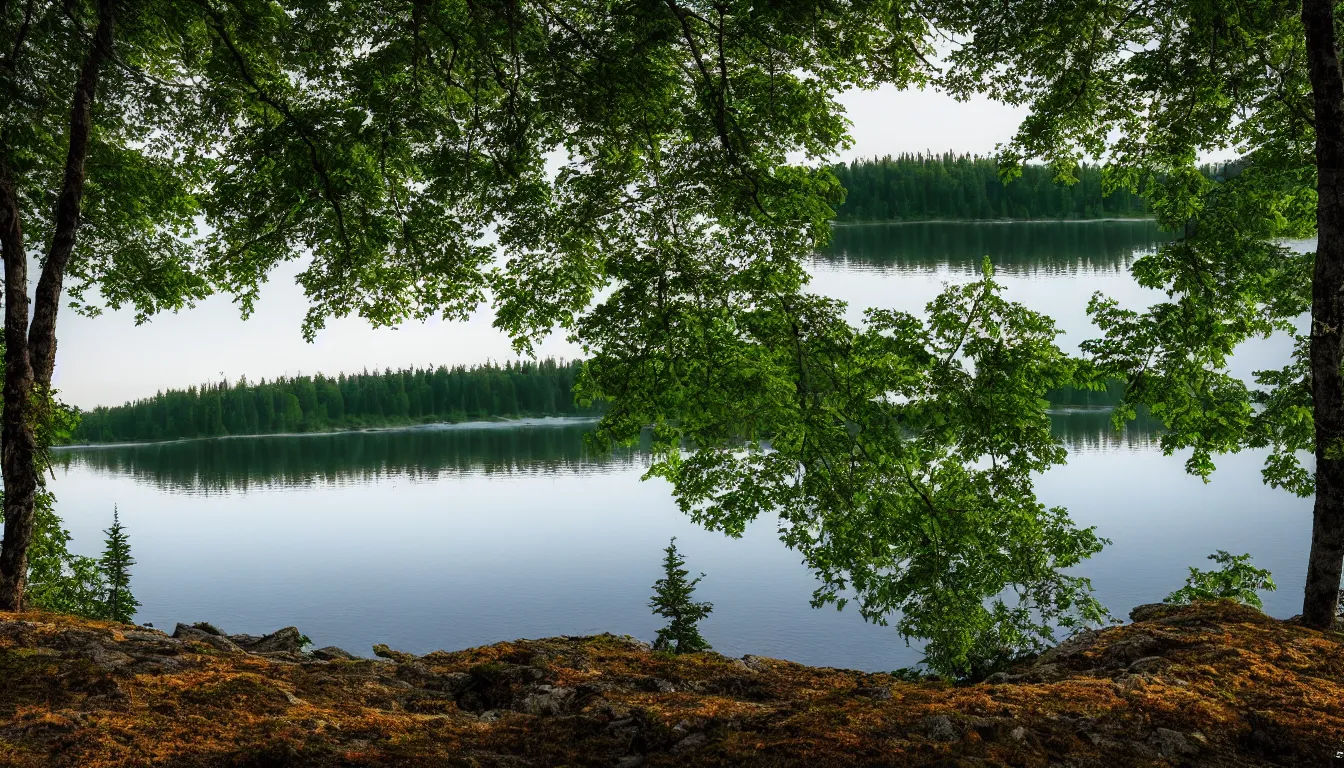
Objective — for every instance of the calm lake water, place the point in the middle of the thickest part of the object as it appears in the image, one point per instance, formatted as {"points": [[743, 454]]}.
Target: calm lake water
{"points": [[458, 536]]}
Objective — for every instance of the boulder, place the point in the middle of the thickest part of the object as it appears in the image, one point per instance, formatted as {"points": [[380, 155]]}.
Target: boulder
{"points": [[689, 744], [548, 700], [382, 651], [1171, 743], [287, 640], [332, 653], [1152, 611], [196, 635], [940, 728]]}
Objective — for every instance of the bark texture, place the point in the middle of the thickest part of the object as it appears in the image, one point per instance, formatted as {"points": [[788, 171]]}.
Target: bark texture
{"points": [[1320, 601], [30, 352], [17, 445]]}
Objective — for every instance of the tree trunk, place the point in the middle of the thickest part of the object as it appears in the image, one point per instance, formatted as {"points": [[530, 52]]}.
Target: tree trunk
{"points": [[30, 353], [1321, 597], [17, 445]]}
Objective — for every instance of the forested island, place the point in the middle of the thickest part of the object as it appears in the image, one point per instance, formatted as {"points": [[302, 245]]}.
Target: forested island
{"points": [[921, 187], [382, 399], [346, 401]]}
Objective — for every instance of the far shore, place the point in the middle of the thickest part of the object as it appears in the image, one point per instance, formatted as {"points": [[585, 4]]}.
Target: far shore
{"points": [[494, 423], [990, 221]]}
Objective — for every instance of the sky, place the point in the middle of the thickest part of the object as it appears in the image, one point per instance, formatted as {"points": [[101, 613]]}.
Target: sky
{"points": [[109, 360]]}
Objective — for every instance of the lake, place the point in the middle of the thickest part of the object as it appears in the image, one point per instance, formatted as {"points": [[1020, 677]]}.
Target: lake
{"points": [[449, 537]]}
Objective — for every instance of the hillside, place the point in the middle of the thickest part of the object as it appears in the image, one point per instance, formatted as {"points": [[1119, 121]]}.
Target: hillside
{"points": [[1208, 685]]}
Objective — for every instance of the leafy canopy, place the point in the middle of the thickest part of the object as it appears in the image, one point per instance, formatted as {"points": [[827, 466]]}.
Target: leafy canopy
{"points": [[1147, 88], [898, 457], [632, 163]]}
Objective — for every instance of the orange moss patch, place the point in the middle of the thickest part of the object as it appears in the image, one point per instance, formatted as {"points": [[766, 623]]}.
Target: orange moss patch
{"points": [[1213, 684]]}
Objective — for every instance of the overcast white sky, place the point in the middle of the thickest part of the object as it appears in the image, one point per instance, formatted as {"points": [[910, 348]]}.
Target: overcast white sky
{"points": [[108, 360]]}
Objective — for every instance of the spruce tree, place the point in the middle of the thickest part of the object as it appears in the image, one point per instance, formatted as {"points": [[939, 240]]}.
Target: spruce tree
{"points": [[672, 600], [115, 564]]}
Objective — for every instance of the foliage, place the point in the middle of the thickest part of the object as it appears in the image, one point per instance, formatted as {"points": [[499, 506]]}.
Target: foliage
{"points": [[1148, 88], [311, 403], [59, 580], [1237, 580], [898, 457], [118, 603], [380, 143], [1146, 107], [672, 600], [950, 186]]}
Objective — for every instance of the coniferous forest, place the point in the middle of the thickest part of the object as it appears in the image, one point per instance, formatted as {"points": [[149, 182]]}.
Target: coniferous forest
{"points": [[316, 403], [920, 187]]}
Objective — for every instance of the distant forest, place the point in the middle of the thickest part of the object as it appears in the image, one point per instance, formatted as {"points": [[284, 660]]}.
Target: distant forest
{"points": [[923, 187], [317, 403], [390, 398]]}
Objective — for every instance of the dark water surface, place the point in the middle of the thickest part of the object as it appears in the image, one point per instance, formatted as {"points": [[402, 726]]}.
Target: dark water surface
{"points": [[451, 537]]}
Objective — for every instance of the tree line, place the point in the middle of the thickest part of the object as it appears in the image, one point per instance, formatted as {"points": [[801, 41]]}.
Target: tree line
{"points": [[918, 187], [316, 403]]}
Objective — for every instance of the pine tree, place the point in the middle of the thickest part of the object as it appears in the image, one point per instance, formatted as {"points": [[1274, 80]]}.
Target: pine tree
{"points": [[672, 600], [116, 564]]}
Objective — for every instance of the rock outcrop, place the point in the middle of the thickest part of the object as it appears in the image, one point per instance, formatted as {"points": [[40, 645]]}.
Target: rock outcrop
{"points": [[1206, 685]]}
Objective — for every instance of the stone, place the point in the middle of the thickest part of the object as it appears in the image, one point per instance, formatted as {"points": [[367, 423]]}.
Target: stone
{"points": [[1147, 664], [1171, 743], [1133, 647], [940, 728], [878, 693], [548, 700], [107, 659], [689, 744], [196, 635], [208, 628], [332, 653], [756, 663], [1152, 611], [286, 640], [1018, 734], [655, 685], [382, 651], [1074, 644], [630, 761]]}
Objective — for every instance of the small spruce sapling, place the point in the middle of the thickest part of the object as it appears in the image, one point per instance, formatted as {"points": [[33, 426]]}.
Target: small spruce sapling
{"points": [[672, 600], [1236, 580], [116, 562]]}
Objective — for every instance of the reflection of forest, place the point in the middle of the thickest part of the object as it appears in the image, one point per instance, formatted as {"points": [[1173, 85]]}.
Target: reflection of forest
{"points": [[229, 464], [1089, 430], [220, 464], [1016, 247]]}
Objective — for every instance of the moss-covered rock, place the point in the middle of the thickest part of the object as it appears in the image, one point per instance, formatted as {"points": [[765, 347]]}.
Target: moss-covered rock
{"points": [[1205, 685]]}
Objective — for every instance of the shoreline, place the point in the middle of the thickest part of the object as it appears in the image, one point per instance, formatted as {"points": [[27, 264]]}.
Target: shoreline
{"points": [[492, 423], [1110, 219]]}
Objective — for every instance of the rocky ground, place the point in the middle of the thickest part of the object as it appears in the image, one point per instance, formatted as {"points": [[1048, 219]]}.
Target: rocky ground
{"points": [[1208, 685]]}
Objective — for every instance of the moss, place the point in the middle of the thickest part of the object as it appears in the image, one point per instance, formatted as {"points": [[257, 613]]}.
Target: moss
{"points": [[1239, 687]]}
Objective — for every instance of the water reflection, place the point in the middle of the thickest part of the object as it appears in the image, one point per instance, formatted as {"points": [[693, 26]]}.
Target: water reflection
{"points": [[232, 464], [1035, 248], [553, 446]]}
